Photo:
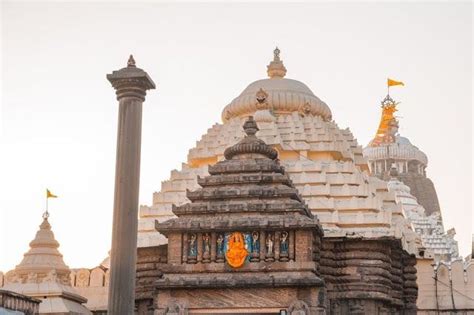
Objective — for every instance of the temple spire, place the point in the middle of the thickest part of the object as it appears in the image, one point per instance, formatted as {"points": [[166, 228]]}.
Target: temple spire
{"points": [[388, 126], [250, 146], [276, 69]]}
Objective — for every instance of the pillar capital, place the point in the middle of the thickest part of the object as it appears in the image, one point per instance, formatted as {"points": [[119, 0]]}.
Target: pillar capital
{"points": [[131, 81]]}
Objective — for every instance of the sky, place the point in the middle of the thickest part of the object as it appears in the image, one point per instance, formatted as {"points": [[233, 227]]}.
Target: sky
{"points": [[59, 113]]}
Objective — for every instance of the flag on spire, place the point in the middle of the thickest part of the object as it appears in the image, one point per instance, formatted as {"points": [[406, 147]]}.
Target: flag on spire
{"points": [[391, 82], [50, 195]]}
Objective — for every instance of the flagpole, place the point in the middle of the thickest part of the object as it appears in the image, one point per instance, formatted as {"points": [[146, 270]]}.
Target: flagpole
{"points": [[46, 214]]}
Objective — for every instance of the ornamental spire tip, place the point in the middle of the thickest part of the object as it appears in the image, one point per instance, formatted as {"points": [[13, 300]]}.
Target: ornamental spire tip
{"points": [[131, 61], [276, 69]]}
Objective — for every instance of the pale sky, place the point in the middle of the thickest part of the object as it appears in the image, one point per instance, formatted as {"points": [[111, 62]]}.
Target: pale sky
{"points": [[59, 113]]}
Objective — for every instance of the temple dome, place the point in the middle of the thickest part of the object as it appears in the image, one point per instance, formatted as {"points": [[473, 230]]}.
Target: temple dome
{"points": [[277, 94]]}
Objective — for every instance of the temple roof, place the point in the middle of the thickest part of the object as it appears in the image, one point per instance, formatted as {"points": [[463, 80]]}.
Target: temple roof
{"points": [[248, 190], [43, 274], [277, 94], [43, 255], [323, 161]]}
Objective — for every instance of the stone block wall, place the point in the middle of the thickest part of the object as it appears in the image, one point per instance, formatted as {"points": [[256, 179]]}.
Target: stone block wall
{"points": [[150, 263], [368, 276]]}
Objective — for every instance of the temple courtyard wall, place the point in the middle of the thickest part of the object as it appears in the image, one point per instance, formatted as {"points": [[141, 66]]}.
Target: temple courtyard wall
{"points": [[437, 288]]}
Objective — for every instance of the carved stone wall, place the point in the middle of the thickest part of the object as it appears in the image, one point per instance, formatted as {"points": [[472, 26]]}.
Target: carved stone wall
{"points": [[368, 276]]}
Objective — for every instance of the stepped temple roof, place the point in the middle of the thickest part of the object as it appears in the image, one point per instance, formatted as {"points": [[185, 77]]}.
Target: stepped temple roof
{"points": [[42, 274], [246, 227], [324, 162], [248, 190]]}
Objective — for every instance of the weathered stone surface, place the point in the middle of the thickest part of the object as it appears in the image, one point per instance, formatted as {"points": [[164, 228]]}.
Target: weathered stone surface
{"points": [[363, 275], [248, 192]]}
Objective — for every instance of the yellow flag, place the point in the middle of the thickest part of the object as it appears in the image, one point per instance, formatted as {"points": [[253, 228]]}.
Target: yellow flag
{"points": [[50, 195], [391, 82]]}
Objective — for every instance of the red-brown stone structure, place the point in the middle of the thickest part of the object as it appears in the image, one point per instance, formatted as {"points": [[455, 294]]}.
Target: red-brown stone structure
{"points": [[249, 204]]}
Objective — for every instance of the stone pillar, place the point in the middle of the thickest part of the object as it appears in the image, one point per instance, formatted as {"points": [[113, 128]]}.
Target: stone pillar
{"points": [[185, 248], [276, 245], [199, 247], [263, 250], [291, 245], [213, 246], [131, 84]]}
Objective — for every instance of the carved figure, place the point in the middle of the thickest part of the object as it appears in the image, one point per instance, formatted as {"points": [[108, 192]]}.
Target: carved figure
{"points": [[206, 243], [298, 307], [192, 252], [51, 276], [284, 243], [269, 243], [220, 245], [236, 253], [32, 277], [255, 243]]}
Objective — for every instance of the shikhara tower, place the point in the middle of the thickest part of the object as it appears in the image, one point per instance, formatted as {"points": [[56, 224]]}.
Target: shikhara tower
{"points": [[364, 228], [394, 158]]}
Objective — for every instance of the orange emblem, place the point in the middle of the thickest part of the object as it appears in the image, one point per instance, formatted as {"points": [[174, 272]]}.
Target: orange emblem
{"points": [[236, 252]]}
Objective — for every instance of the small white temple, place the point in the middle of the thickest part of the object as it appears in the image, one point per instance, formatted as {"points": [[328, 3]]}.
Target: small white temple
{"points": [[42, 274]]}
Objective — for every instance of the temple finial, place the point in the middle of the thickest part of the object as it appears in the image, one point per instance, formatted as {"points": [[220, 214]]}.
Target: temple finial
{"points": [[250, 144], [250, 126], [131, 61], [276, 69], [276, 54]]}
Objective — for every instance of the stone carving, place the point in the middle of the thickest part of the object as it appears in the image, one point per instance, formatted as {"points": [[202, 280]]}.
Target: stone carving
{"points": [[284, 246], [51, 276], [12, 277], [32, 277], [192, 247], [82, 278], [305, 109], [269, 244], [220, 248], [298, 307], [236, 252], [175, 308], [261, 97], [255, 246]]}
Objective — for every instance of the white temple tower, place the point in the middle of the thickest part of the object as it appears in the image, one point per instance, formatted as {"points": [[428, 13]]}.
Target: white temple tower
{"points": [[42, 274], [324, 162]]}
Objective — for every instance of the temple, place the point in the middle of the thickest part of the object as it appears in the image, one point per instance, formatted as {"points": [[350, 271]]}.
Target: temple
{"points": [[364, 227], [43, 275], [277, 210], [393, 158]]}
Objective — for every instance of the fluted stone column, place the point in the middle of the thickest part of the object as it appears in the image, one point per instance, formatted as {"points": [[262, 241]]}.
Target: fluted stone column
{"points": [[131, 84]]}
